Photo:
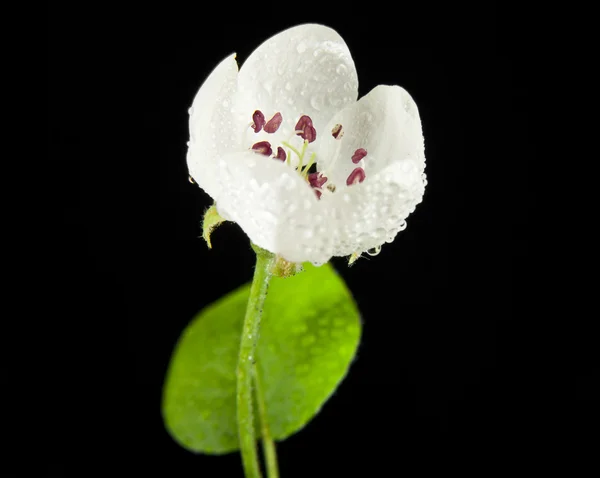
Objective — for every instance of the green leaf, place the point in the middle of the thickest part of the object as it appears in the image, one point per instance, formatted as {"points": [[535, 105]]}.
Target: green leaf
{"points": [[310, 331]]}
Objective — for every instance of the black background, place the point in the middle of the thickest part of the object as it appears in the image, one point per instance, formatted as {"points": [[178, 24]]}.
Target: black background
{"points": [[448, 377]]}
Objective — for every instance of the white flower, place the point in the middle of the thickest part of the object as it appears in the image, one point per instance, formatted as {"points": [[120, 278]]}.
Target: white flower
{"points": [[369, 154]]}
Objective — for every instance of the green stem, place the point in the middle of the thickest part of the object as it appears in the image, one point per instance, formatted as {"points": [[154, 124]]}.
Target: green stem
{"points": [[258, 293], [268, 444]]}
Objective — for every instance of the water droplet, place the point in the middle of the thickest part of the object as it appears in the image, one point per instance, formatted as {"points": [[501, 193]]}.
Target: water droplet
{"points": [[225, 103], [347, 197], [341, 69], [191, 110], [379, 232], [301, 47], [334, 100], [316, 102], [268, 85], [288, 86], [290, 101], [307, 204], [308, 234], [366, 117]]}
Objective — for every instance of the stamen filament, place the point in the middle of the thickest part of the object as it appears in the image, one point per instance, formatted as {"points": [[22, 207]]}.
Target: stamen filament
{"points": [[288, 145], [310, 163], [304, 145]]}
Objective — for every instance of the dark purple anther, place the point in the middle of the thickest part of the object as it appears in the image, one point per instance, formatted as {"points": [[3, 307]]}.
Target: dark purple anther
{"points": [[359, 154], [281, 156], [305, 129], [259, 121], [337, 132], [316, 180], [356, 176], [263, 147], [274, 123]]}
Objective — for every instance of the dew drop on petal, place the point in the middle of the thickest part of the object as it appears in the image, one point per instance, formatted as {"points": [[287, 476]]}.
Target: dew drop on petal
{"points": [[288, 86], [380, 232], [374, 251], [316, 102], [301, 47], [341, 69]]}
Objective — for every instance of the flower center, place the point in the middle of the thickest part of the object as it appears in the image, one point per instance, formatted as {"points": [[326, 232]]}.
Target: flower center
{"points": [[301, 160]]}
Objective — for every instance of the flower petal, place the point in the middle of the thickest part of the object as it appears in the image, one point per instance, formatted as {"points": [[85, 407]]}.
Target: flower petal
{"points": [[274, 206], [306, 69], [213, 130], [371, 213], [385, 123]]}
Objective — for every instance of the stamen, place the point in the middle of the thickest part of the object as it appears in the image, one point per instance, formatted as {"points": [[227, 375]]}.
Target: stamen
{"points": [[356, 176], [337, 132], [289, 146], [316, 180], [263, 147], [305, 129], [310, 163], [274, 123], [359, 154], [280, 154], [259, 121]]}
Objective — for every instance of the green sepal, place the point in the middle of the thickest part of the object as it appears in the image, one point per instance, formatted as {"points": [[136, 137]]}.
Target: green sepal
{"points": [[211, 221]]}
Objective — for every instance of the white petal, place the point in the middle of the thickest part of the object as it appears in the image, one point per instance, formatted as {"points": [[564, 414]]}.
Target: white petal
{"points": [[274, 206], [307, 69], [371, 213], [213, 131], [386, 123]]}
